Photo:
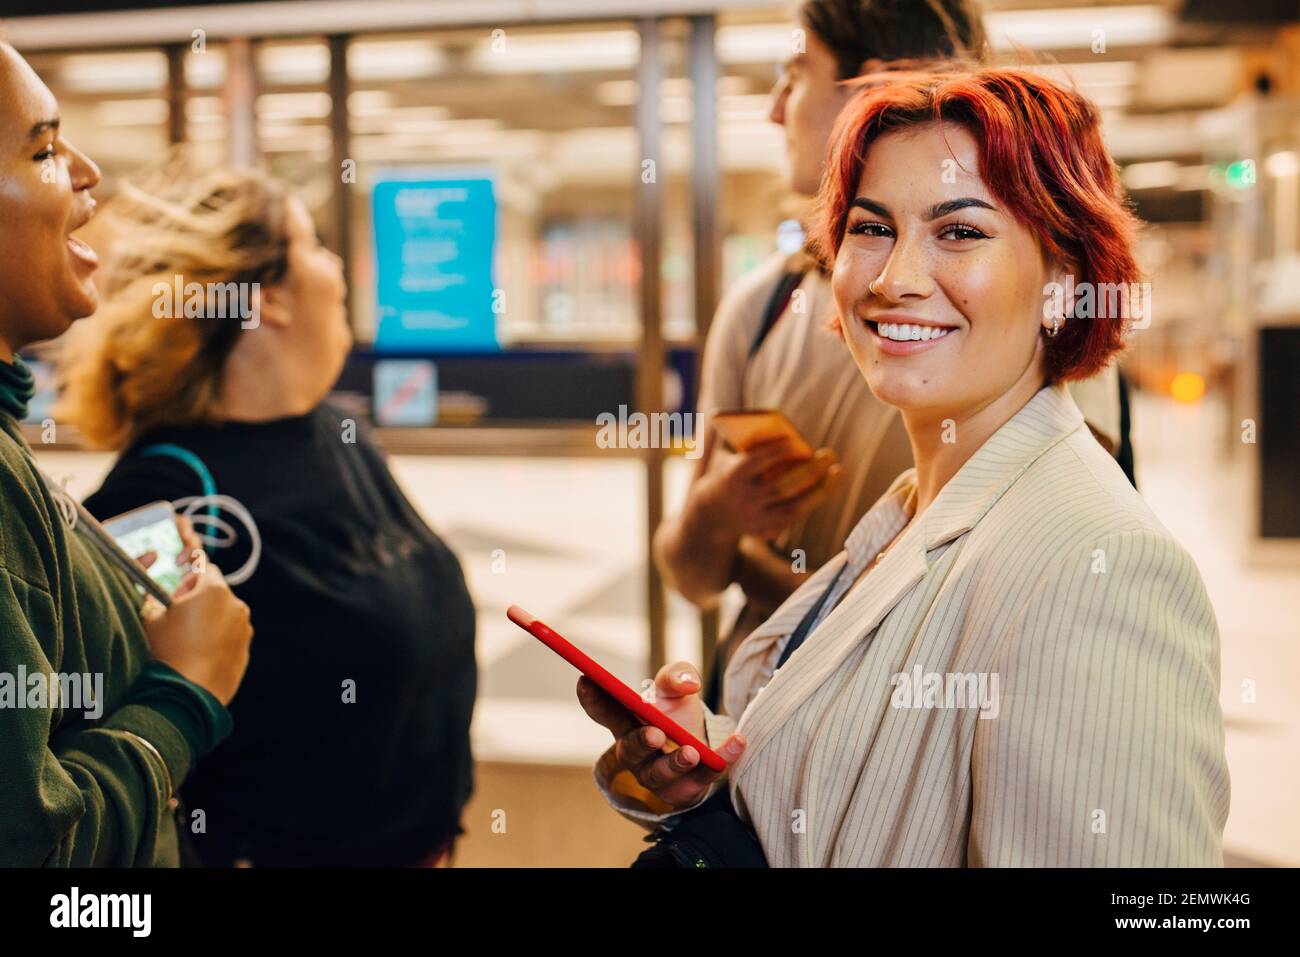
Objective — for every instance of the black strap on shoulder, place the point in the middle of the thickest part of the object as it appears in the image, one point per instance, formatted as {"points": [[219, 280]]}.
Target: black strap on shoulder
{"points": [[781, 297], [805, 624], [1125, 453]]}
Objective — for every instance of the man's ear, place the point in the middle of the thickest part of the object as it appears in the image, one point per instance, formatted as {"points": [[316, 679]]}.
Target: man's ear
{"points": [[873, 67], [883, 71], [272, 304], [870, 65]]}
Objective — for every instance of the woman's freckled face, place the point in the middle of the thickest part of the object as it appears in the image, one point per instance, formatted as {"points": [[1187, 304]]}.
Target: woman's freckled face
{"points": [[944, 253]]}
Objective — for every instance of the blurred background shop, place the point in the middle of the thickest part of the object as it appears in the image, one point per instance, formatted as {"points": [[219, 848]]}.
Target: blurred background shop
{"points": [[567, 143]]}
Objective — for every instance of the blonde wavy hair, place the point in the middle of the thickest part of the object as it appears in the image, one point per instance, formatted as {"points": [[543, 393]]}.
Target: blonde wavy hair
{"points": [[125, 372]]}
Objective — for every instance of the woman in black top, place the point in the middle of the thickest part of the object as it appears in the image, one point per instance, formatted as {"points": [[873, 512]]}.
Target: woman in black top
{"points": [[351, 740]]}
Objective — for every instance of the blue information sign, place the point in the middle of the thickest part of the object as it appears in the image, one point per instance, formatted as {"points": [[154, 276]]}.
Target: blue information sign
{"points": [[434, 240]]}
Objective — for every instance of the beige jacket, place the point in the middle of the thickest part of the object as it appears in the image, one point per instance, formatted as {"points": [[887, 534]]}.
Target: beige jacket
{"points": [[1029, 677]]}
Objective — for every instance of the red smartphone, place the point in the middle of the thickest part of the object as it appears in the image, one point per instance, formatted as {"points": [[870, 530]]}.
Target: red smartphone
{"points": [[626, 696]]}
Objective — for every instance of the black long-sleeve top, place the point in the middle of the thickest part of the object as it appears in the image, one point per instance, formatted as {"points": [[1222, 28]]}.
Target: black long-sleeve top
{"points": [[351, 729]]}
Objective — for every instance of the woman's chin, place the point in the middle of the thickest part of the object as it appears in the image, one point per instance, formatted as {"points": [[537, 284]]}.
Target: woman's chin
{"points": [[82, 301], [902, 391]]}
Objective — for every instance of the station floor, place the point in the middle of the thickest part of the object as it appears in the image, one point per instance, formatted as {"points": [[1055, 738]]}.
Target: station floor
{"points": [[565, 539]]}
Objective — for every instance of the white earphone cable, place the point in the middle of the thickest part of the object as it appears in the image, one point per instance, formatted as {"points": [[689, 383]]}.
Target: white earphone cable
{"points": [[225, 534]]}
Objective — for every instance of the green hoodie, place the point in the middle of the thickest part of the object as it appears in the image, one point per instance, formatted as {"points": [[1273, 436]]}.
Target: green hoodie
{"points": [[83, 781]]}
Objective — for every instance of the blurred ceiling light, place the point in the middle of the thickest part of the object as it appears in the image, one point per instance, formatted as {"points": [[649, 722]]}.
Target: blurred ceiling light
{"points": [[753, 147], [369, 102], [202, 107], [290, 106], [763, 128], [419, 120], [749, 108], [480, 128], [118, 72], [1162, 174], [293, 63], [590, 147], [394, 59], [149, 112], [1150, 137], [618, 92], [1222, 128], [293, 139], [1087, 72], [558, 52], [1193, 178], [306, 133], [628, 92], [205, 69], [431, 125], [1108, 97], [1285, 163], [1078, 28], [1188, 78], [1108, 83], [756, 42], [1111, 116], [676, 109], [755, 106], [389, 149], [399, 116], [515, 140], [316, 151]]}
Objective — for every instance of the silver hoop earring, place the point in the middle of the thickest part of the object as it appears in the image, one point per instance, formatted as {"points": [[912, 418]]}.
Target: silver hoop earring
{"points": [[1056, 328]]}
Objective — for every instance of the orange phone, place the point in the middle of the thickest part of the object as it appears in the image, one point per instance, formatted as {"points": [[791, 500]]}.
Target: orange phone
{"points": [[743, 428]]}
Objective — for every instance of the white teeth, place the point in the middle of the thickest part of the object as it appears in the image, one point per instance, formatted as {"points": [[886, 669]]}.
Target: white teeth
{"points": [[905, 331]]}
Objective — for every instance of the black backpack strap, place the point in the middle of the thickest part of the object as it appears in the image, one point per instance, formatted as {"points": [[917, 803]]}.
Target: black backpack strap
{"points": [[1125, 453], [805, 624], [781, 297], [782, 293]]}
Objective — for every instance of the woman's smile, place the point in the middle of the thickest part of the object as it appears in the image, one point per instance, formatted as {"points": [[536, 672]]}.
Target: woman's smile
{"points": [[81, 252], [900, 335]]}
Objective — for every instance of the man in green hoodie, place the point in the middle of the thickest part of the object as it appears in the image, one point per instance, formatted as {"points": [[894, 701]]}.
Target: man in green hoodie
{"points": [[86, 782]]}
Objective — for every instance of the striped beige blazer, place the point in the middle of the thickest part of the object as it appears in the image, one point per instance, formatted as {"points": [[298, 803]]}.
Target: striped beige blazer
{"points": [[1029, 677]]}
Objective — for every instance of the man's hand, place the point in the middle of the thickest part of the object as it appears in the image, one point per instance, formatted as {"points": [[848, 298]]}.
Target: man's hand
{"points": [[764, 490]]}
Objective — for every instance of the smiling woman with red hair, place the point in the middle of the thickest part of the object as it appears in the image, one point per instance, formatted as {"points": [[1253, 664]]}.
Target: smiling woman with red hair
{"points": [[1040, 152], [1012, 662]]}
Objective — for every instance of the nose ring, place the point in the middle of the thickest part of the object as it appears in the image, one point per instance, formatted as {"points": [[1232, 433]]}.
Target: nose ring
{"points": [[873, 286]]}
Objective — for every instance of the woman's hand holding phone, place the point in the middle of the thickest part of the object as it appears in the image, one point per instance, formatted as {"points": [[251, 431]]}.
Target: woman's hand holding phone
{"points": [[206, 633], [674, 776]]}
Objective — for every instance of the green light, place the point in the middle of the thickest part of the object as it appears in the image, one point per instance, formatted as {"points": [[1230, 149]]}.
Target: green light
{"points": [[1240, 175]]}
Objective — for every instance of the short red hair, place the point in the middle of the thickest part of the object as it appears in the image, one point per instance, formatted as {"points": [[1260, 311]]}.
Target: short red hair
{"points": [[1041, 155]]}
